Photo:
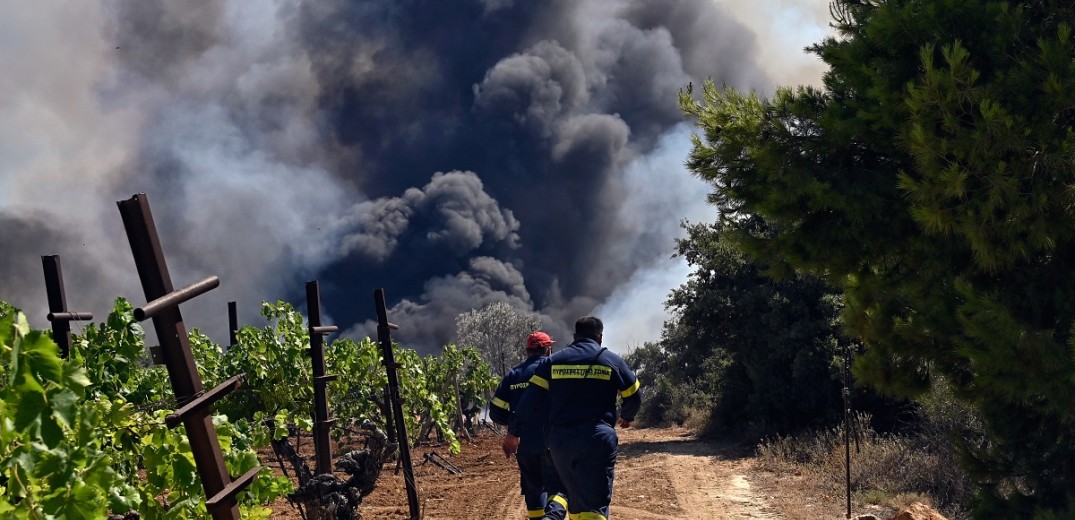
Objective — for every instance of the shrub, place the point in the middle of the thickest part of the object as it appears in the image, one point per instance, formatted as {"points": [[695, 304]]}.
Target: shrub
{"points": [[667, 403], [893, 469]]}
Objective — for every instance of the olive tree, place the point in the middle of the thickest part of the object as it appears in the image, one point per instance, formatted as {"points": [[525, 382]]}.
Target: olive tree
{"points": [[498, 331]]}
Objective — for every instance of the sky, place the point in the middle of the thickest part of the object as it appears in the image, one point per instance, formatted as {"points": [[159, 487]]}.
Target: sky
{"points": [[455, 154]]}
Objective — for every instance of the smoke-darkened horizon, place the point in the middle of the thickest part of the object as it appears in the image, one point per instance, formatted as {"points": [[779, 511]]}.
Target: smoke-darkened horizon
{"points": [[455, 154]]}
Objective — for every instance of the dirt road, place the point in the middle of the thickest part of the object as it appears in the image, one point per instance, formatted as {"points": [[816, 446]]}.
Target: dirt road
{"points": [[662, 474], [668, 474]]}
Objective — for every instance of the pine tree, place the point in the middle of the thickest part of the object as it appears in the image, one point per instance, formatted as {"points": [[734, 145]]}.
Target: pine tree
{"points": [[932, 177]]}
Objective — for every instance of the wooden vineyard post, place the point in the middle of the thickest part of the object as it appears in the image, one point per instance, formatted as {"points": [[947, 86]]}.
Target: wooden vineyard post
{"points": [[322, 423], [58, 314], [194, 403], [384, 337]]}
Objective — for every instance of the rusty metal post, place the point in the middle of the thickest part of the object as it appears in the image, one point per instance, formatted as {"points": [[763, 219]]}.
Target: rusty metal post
{"points": [[322, 423], [58, 314], [182, 371], [384, 337], [390, 425], [847, 424], [233, 324]]}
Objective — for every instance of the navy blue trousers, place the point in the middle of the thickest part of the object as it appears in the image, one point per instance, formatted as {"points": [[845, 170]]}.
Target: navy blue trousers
{"points": [[585, 458], [540, 483]]}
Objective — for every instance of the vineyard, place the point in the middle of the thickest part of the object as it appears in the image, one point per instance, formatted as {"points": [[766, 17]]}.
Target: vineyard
{"points": [[91, 417], [87, 435]]}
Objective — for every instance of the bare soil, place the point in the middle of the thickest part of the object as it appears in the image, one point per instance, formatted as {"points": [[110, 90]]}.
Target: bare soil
{"points": [[661, 473]]}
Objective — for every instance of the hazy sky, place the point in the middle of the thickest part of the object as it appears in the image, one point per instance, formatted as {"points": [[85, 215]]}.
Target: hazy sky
{"points": [[454, 153]]}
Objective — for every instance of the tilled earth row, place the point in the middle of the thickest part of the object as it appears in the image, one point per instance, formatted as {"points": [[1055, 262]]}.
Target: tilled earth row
{"points": [[661, 474]]}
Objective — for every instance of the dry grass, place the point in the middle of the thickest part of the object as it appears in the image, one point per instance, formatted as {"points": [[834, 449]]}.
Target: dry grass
{"points": [[886, 473]]}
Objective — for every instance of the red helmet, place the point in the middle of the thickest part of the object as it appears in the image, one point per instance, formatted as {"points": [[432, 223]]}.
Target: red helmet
{"points": [[538, 340]]}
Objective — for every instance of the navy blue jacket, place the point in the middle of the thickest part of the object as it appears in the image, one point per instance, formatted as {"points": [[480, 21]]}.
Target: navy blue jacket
{"points": [[505, 406], [580, 383]]}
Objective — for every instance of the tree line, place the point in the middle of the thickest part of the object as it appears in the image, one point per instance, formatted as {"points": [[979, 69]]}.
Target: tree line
{"points": [[916, 209]]}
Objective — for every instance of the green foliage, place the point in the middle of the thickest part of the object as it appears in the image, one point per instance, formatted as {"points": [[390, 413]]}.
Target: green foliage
{"points": [[672, 398], [83, 442], [476, 378], [930, 178], [53, 462], [359, 391], [278, 370], [85, 437], [461, 376], [6, 309], [760, 351], [279, 377], [113, 355]]}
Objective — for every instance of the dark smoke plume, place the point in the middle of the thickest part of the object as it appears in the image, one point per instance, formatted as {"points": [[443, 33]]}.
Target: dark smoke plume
{"points": [[454, 153]]}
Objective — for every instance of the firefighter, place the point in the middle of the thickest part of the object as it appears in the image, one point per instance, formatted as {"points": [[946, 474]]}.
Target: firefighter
{"points": [[580, 384], [541, 487]]}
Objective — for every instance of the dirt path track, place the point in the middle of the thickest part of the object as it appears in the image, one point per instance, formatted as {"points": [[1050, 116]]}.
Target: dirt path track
{"points": [[661, 474], [685, 478]]}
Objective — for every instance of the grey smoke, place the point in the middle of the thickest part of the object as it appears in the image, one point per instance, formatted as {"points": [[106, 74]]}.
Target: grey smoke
{"points": [[454, 153], [461, 216], [534, 88]]}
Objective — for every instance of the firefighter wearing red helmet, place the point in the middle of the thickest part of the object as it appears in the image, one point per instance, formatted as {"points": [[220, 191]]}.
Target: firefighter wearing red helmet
{"points": [[540, 484], [580, 384]]}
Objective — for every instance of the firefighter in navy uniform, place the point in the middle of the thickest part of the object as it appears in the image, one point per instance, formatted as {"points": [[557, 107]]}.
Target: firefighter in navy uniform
{"points": [[580, 384], [541, 486]]}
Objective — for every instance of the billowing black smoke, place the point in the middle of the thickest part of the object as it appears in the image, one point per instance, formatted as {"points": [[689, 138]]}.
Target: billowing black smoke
{"points": [[454, 153], [544, 101]]}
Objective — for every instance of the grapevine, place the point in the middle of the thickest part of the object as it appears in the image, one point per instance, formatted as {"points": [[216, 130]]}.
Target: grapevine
{"points": [[84, 437], [83, 428]]}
